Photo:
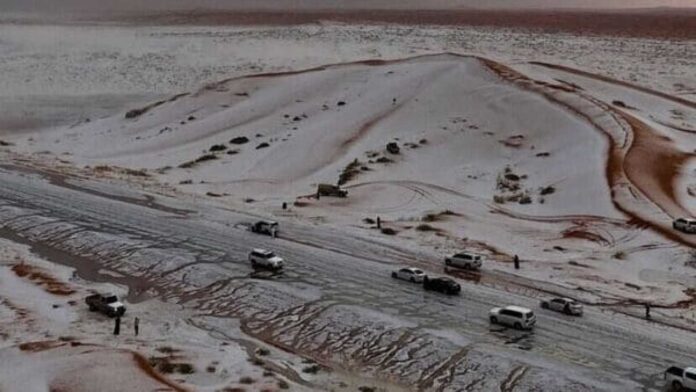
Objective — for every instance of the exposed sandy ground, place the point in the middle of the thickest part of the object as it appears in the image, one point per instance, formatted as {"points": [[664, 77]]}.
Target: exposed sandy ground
{"points": [[608, 123], [667, 23], [50, 341]]}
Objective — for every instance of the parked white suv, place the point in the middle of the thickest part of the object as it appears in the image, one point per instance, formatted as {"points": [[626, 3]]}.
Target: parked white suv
{"points": [[464, 260], [686, 225], [513, 316], [261, 258], [409, 273], [563, 305]]}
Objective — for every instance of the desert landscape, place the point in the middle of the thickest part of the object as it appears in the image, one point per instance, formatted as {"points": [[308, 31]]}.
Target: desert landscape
{"points": [[136, 149]]}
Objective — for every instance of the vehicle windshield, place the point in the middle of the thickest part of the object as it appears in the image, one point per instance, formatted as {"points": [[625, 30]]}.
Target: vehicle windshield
{"points": [[111, 299], [417, 271], [529, 315], [268, 255]]}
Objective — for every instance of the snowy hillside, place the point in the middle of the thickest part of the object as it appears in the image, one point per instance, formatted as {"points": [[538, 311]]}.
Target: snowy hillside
{"points": [[580, 176]]}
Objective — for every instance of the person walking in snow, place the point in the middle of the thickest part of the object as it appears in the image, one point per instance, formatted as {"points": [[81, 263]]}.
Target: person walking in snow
{"points": [[516, 260], [136, 326]]}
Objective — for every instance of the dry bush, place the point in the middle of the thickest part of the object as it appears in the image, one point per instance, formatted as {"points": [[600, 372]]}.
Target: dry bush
{"points": [[217, 147], [203, 158], [349, 172], [389, 231], [312, 369], [547, 190], [239, 140], [246, 380], [425, 227]]}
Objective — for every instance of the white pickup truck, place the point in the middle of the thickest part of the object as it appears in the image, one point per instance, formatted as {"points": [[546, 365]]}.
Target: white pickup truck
{"points": [[681, 379]]}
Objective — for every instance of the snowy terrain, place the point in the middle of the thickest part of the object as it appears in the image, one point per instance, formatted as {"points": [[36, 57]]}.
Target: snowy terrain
{"points": [[50, 341], [574, 153]]}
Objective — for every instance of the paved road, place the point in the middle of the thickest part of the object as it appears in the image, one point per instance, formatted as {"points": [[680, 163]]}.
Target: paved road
{"points": [[335, 302]]}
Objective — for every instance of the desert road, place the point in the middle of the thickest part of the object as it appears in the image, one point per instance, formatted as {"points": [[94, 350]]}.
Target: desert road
{"points": [[335, 302]]}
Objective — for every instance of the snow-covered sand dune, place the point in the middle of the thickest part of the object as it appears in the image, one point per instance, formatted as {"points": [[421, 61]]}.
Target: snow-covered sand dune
{"points": [[555, 165]]}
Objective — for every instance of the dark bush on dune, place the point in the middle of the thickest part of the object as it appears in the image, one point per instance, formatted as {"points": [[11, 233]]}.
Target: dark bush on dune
{"points": [[240, 140], [218, 147]]}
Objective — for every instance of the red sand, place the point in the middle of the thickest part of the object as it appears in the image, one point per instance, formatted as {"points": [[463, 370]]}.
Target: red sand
{"points": [[670, 23]]}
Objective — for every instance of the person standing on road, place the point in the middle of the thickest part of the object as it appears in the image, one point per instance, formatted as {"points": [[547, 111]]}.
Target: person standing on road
{"points": [[516, 260], [136, 326], [647, 311], [117, 325]]}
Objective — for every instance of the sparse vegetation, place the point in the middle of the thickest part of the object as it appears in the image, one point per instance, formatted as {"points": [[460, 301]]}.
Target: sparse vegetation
{"points": [[210, 369], [547, 190], [240, 140], [367, 389], [389, 231], [164, 365], [203, 158], [258, 362], [186, 368], [217, 147], [262, 145], [268, 373], [430, 218], [620, 255], [246, 380], [311, 369], [393, 148], [262, 351], [425, 227], [282, 384], [213, 194], [383, 160], [349, 172], [5, 144], [136, 172], [167, 350], [369, 221]]}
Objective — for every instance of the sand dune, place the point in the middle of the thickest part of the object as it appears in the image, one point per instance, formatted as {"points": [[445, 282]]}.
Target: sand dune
{"points": [[588, 169]]}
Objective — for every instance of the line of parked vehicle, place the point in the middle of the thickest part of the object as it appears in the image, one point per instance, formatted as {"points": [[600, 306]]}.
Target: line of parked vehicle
{"points": [[514, 316]]}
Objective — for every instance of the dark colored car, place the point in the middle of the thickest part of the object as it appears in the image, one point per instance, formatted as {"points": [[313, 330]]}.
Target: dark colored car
{"points": [[442, 285]]}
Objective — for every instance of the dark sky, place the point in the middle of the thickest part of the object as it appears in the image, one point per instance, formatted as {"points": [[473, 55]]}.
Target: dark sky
{"points": [[91, 6]]}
